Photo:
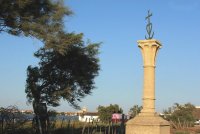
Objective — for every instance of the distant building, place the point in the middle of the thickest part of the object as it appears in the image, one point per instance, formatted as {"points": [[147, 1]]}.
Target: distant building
{"points": [[85, 116], [70, 113], [27, 111], [88, 117]]}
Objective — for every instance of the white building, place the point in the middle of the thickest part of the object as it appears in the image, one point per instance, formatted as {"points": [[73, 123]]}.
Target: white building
{"points": [[88, 117]]}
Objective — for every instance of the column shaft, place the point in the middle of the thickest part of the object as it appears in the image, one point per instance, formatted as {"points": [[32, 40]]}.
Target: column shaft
{"points": [[149, 90]]}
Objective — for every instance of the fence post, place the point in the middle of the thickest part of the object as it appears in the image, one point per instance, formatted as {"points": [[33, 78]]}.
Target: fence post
{"points": [[122, 126]]}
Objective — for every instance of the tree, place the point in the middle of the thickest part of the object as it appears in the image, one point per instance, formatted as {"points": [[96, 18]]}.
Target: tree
{"points": [[180, 115], [42, 19], [135, 110], [65, 73], [69, 76], [105, 112]]}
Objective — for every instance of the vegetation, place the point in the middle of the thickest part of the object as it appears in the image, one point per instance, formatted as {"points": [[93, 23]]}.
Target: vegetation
{"points": [[41, 19], [135, 110], [67, 66], [11, 120], [105, 112], [180, 116], [69, 76], [181, 132], [66, 70], [12, 124]]}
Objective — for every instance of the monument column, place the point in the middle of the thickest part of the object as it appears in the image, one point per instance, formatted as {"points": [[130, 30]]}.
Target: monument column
{"points": [[149, 49], [148, 122]]}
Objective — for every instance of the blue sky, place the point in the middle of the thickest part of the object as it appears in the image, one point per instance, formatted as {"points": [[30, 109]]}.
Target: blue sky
{"points": [[119, 24]]}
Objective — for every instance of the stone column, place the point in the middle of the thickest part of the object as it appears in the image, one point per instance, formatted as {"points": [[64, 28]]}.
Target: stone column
{"points": [[148, 122], [149, 49]]}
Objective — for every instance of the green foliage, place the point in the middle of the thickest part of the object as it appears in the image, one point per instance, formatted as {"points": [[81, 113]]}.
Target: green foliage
{"points": [[105, 112], [42, 19], [65, 73], [135, 110], [181, 132], [180, 115]]}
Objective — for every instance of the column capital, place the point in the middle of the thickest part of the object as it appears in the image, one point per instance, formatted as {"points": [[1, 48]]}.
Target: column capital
{"points": [[149, 49], [151, 42]]}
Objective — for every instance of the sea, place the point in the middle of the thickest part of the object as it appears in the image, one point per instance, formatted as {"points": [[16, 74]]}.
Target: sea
{"points": [[31, 116]]}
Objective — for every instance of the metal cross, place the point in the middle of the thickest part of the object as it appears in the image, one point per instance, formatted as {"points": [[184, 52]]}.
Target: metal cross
{"points": [[149, 26]]}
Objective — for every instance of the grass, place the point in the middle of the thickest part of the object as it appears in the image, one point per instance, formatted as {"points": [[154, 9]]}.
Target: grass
{"points": [[67, 127], [76, 127], [182, 132]]}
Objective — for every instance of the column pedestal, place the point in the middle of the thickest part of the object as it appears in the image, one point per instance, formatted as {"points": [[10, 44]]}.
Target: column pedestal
{"points": [[148, 122], [147, 125]]}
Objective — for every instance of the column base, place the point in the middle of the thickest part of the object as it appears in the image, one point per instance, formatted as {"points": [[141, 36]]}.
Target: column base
{"points": [[147, 124]]}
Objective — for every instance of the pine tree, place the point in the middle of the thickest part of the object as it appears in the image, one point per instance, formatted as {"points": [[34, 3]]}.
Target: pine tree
{"points": [[41, 19], [68, 75], [65, 73]]}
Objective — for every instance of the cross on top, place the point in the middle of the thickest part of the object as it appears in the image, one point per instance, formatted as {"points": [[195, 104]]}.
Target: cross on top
{"points": [[149, 26], [148, 16]]}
